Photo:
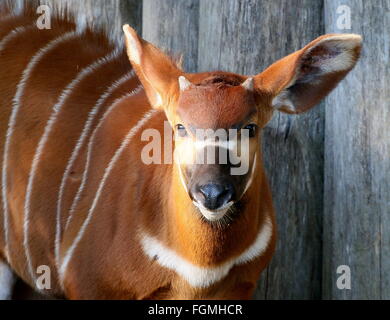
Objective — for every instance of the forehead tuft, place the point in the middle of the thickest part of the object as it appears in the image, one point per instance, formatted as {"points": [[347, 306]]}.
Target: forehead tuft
{"points": [[216, 102], [220, 79]]}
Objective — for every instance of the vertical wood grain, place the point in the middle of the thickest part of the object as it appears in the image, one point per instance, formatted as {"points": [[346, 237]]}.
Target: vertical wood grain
{"points": [[108, 14], [245, 37], [111, 14], [173, 25], [357, 161]]}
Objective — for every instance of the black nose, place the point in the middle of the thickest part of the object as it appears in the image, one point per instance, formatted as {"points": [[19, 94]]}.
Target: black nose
{"points": [[215, 195]]}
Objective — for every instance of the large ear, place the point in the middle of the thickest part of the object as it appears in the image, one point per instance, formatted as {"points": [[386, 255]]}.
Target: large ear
{"points": [[300, 80], [156, 71]]}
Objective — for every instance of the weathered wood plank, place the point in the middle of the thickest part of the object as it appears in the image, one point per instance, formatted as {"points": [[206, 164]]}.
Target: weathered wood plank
{"points": [[173, 25], [111, 14], [245, 37], [108, 14], [357, 160]]}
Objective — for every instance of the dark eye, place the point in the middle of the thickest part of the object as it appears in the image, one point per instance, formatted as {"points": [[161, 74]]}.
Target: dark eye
{"points": [[251, 129], [181, 131]]}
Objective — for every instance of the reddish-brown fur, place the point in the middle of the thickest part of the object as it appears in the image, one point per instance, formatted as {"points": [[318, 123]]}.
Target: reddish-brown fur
{"points": [[109, 263]]}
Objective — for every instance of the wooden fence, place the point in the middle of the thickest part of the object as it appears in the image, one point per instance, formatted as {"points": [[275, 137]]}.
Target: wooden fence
{"points": [[329, 169]]}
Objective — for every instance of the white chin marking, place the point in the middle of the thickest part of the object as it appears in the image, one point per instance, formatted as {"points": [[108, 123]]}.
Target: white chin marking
{"points": [[213, 215]]}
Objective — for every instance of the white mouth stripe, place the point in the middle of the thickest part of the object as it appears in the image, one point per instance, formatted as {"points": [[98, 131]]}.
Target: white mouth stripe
{"points": [[229, 145], [15, 109], [80, 142], [32, 64], [215, 214], [89, 152], [107, 172], [11, 35], [47, 130], [202, 277]]}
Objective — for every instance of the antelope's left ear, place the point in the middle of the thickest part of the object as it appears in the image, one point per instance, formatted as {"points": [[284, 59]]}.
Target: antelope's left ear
{"points": [[300, 80]]}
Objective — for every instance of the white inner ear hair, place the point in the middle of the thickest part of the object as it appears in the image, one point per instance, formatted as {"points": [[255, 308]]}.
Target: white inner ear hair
{"points": [[340, 53], [132, 49], [283, 100]]}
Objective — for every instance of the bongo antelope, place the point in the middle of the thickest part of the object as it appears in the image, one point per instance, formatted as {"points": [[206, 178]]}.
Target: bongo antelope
{"points": [[75, 193]]}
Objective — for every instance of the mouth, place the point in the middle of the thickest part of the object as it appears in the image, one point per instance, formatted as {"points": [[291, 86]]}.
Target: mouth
{"points": [[213, 215]]}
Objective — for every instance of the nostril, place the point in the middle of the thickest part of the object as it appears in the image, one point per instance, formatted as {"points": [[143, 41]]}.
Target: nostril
{"points": [[216, 195], [211, 190], [227, 193]]}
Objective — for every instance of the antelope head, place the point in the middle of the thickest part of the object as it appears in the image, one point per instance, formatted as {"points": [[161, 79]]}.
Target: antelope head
{"points": [[217, 117]]}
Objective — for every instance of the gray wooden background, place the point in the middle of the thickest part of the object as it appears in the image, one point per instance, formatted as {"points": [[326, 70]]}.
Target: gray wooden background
{"points": [[330, 168]]}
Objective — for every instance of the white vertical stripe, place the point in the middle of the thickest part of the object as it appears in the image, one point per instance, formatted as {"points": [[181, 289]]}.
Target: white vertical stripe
{"points": [[43, 140], [11, 35], [89, 153], [107, 172], [15, 109], [87, 71], [80, 142]]}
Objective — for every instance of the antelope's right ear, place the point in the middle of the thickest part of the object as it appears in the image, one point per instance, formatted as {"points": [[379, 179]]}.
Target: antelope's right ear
{"points": [[300, 80], [156, 71]]}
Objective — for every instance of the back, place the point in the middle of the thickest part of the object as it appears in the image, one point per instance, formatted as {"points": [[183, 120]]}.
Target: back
{"points": [[55, 86]]}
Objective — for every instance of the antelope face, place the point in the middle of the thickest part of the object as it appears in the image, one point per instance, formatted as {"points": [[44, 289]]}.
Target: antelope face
{"points": [[216, 138], [216, 115]]}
